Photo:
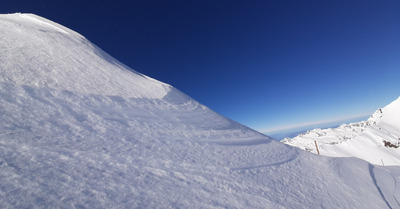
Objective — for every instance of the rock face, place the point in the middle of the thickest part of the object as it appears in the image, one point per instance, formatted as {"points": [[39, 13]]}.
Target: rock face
{"points": [[78, 129], [376, 140]]}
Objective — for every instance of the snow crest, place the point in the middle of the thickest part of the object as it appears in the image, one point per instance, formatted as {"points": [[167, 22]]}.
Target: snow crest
{"points": [[41, 53]]}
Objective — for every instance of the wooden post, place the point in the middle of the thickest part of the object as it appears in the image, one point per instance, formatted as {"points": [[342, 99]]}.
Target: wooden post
{"points": [[316, 146]]}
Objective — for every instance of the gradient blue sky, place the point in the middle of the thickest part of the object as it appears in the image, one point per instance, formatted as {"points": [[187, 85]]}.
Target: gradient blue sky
{"points": [[266, 64]]}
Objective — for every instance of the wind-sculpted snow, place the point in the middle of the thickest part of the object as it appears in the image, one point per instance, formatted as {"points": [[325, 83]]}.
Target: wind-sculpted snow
{"points": [[376, 140], [150, 147], [62, 59]]}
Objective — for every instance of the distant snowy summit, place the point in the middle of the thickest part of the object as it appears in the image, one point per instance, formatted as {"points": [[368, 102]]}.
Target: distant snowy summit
{"points": [[376, 140]]}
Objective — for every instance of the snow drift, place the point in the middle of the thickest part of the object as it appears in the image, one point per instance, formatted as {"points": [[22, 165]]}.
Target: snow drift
{"points": [[78, 129], [376, 140], [64, 60]]}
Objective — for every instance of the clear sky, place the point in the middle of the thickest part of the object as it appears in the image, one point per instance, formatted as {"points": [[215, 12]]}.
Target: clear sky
{"points": [[265, 64]]}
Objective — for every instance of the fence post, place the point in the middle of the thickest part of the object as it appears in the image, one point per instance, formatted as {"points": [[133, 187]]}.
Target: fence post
{"points": [[316, 146]]}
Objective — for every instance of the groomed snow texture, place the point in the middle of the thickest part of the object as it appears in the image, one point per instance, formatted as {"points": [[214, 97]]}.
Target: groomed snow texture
{"points": [[78, 129]]}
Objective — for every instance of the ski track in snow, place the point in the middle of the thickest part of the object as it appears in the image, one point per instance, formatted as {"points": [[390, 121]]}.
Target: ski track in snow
{"points": [[78, 129], [371, 171]]}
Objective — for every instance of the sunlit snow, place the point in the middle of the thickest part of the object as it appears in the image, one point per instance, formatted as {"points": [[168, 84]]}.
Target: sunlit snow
{"points": [[376, 140], [78, 129], [50, 55]]}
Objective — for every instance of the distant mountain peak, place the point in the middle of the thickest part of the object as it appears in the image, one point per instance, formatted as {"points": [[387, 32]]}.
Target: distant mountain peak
{"points": [[375, 140]]}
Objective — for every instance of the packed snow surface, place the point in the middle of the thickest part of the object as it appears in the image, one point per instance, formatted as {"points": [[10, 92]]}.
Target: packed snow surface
{"points": [[376, 140], [80, 130], [64, 60]]}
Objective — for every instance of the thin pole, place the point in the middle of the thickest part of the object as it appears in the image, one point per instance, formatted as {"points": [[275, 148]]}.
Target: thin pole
{"points": [[316, 146]]}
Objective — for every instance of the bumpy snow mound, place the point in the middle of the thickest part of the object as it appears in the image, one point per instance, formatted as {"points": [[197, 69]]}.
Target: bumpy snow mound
{"points": [[41, 53], [376, 140], [113, 138]]}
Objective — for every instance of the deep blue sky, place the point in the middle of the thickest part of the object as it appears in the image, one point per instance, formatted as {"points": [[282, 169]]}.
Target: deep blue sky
{"points": [[265, 64]]}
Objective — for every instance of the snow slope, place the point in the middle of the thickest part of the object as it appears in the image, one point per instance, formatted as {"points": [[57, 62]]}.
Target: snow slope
{"points": [[55, 58], [376, 140], [80, 130]]}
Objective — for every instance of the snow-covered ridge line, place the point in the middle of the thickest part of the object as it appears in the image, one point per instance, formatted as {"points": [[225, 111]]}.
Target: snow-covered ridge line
{"points": [[62, 59], [375, 140], [41, 22], [78, 129], [44, 22]]}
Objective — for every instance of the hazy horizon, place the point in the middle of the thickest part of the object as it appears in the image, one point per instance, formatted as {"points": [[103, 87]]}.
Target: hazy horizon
{"points": [[297, 129]]}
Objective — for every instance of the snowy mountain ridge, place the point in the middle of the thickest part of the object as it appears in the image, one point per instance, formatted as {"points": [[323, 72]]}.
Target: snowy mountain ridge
{"points": [[78, 129], [375, 140], [49, 46]]}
